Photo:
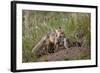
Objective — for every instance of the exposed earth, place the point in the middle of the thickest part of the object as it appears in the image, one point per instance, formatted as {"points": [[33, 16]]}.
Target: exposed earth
{"points": [[72, 53]]}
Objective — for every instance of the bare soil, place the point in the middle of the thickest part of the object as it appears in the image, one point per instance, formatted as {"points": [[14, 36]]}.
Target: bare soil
{"points": [[72, 53]]}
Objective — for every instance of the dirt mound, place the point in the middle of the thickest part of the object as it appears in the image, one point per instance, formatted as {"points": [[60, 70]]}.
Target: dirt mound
{"points": [[73, 53]]}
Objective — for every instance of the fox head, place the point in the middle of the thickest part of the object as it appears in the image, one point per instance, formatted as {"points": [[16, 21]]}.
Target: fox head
{"points": [[59, 32]]}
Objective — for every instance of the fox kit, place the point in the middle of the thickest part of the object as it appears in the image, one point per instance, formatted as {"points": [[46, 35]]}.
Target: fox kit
{"points": [[61, 39]]}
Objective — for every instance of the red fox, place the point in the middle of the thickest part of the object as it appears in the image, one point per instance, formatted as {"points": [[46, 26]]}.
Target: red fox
{"points": [[47, 43], [51, 42], [60, 39]]}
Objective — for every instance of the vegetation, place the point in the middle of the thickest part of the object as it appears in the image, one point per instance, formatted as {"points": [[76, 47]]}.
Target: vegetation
{"points": [[36, 24]]}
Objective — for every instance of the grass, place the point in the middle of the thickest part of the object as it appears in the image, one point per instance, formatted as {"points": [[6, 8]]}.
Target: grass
{"points": [[36, 24]]}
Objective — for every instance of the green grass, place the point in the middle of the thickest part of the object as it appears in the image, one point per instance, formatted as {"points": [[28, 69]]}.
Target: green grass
{"points": [[36, 24]]}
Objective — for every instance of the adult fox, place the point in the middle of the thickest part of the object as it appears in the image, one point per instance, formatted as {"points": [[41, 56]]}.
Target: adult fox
{"points": [[47, 43], [50, 42]]}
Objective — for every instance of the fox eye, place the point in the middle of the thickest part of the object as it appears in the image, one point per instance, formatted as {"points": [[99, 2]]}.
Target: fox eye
{"points": [[56, 35]]}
